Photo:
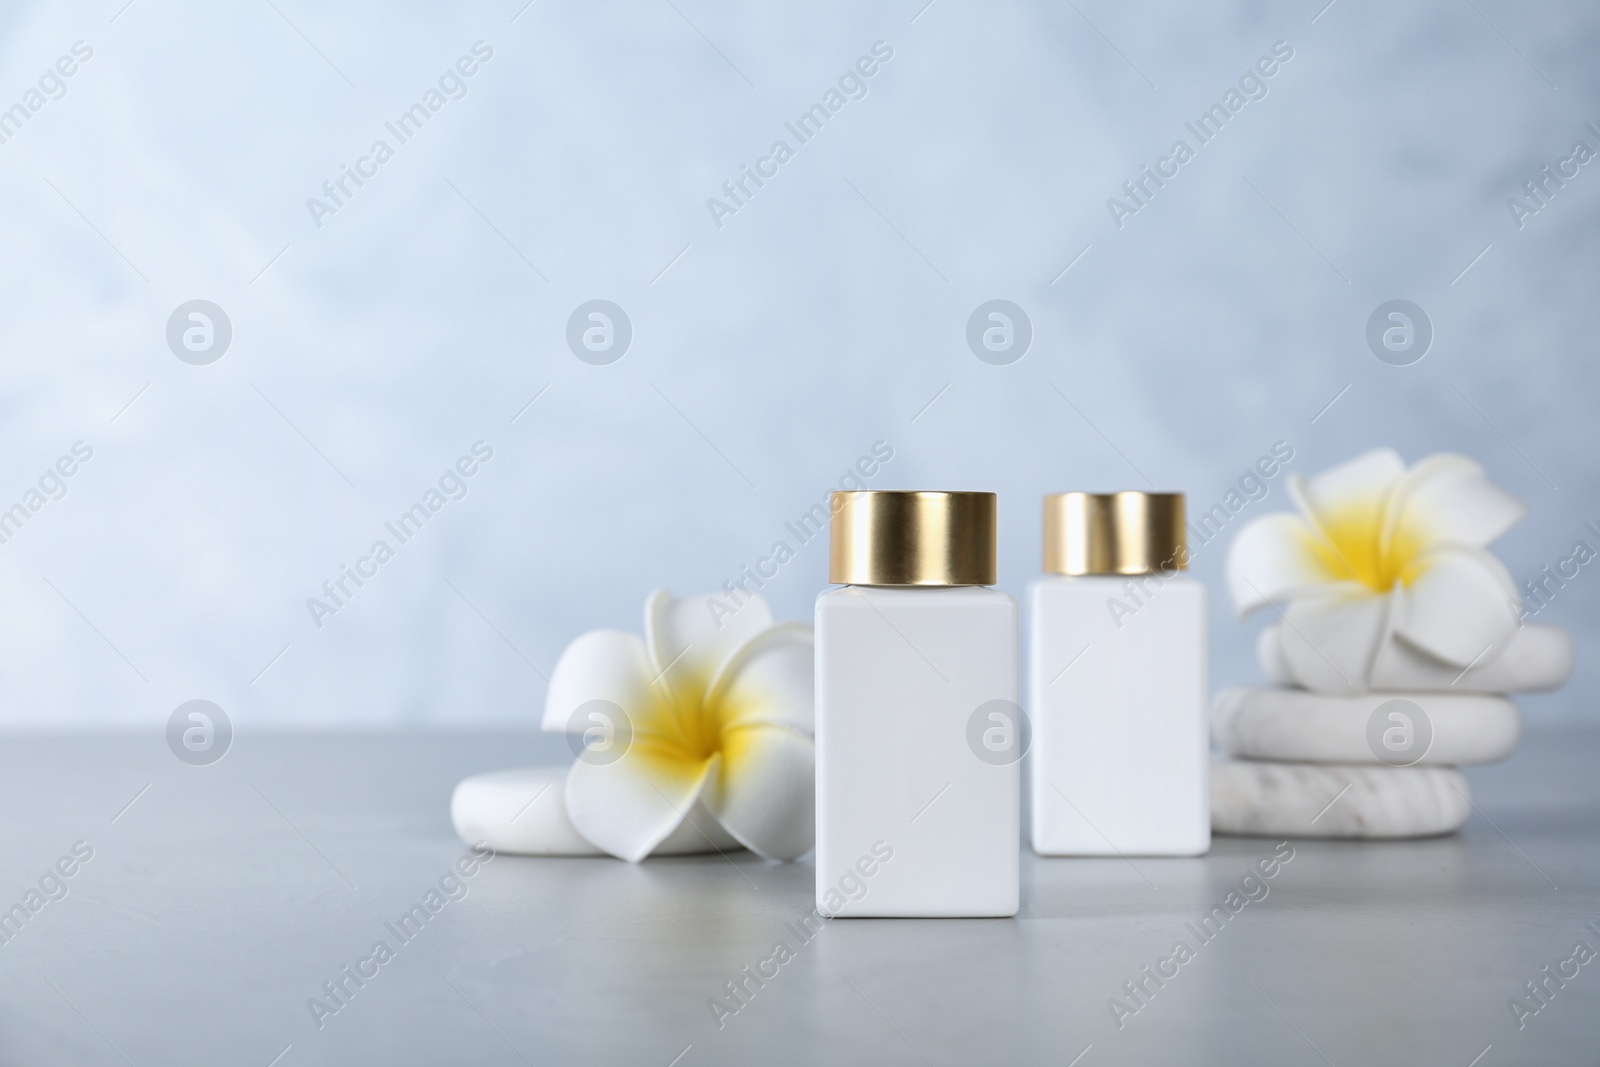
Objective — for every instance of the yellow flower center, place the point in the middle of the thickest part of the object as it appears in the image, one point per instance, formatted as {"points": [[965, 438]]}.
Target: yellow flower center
{"points": [[1354, 552], [678, 732]]}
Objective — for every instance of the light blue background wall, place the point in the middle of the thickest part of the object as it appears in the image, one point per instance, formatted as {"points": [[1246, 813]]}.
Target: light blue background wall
{"points": [[772, 353]]}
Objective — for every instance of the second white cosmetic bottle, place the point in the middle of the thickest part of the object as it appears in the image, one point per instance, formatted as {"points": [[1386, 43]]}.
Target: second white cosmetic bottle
{"points": [[1117, 681], [919, 735]]}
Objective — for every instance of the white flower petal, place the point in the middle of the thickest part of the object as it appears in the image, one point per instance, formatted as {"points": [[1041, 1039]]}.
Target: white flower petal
{"points": [[690, 638], [1447, 497], [1353, 491], [1455, 608], [599, 665], [765, 790], [770, 680], [1272, 558], [524, 811], [1329, 640], [700, 832], [630, 806]]}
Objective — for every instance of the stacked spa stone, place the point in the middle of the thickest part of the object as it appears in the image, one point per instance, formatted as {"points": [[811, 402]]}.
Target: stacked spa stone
{"points": [[1375, 764]]}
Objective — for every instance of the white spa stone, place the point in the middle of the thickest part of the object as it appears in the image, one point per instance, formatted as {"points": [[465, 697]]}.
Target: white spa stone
{"points": [[1538, 658], [524, 811], [1336, 800], [1295, 724]]}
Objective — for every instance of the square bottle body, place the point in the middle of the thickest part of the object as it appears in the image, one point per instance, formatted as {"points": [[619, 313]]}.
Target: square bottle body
{"points": [[901, 676], [1120, 762]]}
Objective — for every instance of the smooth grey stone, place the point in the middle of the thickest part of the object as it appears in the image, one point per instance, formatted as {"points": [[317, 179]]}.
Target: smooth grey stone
{"points": [[1435, 728], [1273, 799]]}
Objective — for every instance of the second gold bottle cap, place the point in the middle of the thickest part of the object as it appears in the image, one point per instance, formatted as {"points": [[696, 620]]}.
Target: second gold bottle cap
{"points": [[1114, 533], [881, 537]]}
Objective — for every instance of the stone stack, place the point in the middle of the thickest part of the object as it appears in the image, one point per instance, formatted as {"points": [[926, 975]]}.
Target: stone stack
{"points": [[1374, 764]]}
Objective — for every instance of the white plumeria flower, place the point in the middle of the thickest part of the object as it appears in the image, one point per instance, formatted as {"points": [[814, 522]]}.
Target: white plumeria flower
{"points": [[716, 738], [1380, 556]]}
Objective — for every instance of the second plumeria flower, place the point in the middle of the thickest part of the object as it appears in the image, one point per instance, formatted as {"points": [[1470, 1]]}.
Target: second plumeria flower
{"points": [[1381, 561], [690, 721]]}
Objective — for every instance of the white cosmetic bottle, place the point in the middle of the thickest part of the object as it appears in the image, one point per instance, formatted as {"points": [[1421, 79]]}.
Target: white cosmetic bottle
{"points": [[918, 732], [1117, 681]]}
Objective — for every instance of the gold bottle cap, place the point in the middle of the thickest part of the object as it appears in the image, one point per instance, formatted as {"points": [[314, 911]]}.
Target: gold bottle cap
{"points": [[1114, 533], [880, 537]]}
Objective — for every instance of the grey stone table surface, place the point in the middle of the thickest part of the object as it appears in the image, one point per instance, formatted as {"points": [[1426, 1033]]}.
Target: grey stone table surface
{"points": [[218, 900]]}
